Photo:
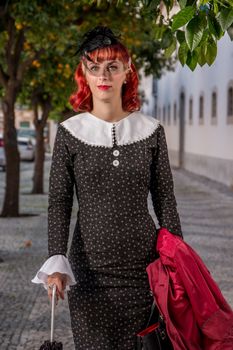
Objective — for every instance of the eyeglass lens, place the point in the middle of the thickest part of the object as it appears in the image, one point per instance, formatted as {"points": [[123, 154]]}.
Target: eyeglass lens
{"points": [[109, 69]]}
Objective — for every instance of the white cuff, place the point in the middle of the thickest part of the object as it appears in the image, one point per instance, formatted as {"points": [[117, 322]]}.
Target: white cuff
{"points": [[56, 263]]}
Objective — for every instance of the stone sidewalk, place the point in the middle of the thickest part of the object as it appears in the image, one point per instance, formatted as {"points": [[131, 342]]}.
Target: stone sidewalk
{"points": [[206, 210], [24, 307]]}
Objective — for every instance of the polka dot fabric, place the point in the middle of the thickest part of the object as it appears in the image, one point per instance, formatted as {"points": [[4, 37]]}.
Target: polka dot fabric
{"points": [[114, 237]]}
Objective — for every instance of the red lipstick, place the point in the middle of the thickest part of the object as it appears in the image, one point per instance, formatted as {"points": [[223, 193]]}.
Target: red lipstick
{"points": [[104, 87]]}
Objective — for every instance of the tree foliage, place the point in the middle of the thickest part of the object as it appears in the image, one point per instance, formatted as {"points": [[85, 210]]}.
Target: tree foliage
{"points": [[189, 27], [54, 69]]}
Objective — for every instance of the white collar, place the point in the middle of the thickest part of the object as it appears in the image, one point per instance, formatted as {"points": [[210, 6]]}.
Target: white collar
{"points": [[98, 132]]}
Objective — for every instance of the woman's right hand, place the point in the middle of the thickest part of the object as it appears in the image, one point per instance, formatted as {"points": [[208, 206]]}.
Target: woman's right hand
{"points": [[60, 280]]}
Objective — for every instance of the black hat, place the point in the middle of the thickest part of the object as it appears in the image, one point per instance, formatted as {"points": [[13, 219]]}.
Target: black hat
{"points": [[96, 38]]}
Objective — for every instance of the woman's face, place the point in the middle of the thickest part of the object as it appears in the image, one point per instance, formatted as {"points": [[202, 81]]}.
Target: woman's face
{"points": [[105, 79]]}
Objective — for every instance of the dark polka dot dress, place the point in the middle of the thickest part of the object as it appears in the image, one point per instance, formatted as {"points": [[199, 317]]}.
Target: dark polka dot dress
{"points": [[112, 167]]}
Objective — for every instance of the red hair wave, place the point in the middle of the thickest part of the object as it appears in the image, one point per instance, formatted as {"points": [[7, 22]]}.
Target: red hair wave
{"points": [[81, 99]]}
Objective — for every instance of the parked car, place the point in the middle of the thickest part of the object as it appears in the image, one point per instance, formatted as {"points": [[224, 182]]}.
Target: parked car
{"points": [[26, 143], [2, 154], [28, 133], [26, 148]]}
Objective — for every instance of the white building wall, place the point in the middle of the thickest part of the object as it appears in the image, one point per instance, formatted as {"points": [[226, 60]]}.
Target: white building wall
{"points": [[145, 87], [208, 148]]}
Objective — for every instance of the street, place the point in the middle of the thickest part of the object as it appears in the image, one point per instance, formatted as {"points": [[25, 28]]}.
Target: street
{"points": [[206, 211]]}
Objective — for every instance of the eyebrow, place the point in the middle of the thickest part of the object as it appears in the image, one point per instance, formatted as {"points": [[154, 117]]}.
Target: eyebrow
{"points": [[110, 62], [114, 61]]}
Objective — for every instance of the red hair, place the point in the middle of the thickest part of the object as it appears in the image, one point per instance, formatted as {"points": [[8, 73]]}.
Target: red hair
{"points": [[81, 99]]}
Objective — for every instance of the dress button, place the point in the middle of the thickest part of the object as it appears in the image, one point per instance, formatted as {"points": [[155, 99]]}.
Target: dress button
{"points": [[115, 162], [116, 152]]}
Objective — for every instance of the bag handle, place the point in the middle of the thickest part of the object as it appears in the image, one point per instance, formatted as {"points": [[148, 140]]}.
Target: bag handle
{"points": [[151, 313]]}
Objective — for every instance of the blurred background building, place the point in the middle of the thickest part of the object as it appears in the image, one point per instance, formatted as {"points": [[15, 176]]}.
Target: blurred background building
{"points": [[196, 109]]}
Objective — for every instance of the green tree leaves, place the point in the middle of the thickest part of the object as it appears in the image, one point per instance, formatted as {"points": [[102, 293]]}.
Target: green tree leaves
{"points": [[211, 51], [167, 39], [214, 27], [182, 17], [230, 32], [194, 31], [192, 59], [183, 53], [225, 18]]}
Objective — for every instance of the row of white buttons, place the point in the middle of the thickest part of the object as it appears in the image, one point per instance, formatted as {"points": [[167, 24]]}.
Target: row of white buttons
{"points": [[116, 154]]}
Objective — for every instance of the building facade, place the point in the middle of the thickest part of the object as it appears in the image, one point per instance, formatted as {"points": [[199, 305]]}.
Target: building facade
{"points": [[196, 109]]}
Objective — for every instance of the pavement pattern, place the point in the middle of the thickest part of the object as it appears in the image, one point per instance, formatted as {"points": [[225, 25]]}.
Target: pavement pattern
{"points": [[206, 211]]}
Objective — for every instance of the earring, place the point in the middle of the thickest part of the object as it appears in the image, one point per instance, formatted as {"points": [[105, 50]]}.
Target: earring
{"points": [[125, 82]]}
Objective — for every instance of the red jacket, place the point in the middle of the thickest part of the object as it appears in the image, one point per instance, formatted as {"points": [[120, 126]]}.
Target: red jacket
{"points": [[196, 314]]}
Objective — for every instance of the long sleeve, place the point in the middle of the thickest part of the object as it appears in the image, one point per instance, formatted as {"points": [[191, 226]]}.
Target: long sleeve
{"points": [[61, 188], [162, 187], [56, 263], [61, 184]]}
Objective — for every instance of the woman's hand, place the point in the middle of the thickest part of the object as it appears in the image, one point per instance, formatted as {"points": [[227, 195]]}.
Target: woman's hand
{"points": [[60, 280]]}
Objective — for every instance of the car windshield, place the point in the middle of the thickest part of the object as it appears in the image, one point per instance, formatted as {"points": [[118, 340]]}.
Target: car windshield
{"points": [[26, 133]]}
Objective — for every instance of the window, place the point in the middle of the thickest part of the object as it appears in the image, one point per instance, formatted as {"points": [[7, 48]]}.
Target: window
{"points": [[190, 110], [169, 115], [159, 113], [154, 86], [214, 107], [24, 124], [230, 105], [174, 112], [201, 110], [230, 102], [164, 114]]}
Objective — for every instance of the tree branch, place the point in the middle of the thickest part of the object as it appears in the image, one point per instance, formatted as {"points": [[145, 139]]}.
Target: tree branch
{"points": [[10, 26], [35, 109], [38, 99], [46, 108], [3, 78], [4, 8], [18, 49], [26, 64]]}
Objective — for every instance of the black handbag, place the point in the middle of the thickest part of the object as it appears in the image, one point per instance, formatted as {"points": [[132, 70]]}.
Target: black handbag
{"points": [[154, 336]]}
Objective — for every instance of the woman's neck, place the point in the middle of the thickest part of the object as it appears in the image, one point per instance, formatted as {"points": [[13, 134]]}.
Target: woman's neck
{"points": [[109, 111]]}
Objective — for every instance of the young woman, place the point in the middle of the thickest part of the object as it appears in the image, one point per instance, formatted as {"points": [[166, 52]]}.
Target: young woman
{"points": [[113, 156]]}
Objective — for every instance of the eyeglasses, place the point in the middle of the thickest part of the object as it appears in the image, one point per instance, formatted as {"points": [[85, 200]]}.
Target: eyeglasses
{"points": [[112, 69]]}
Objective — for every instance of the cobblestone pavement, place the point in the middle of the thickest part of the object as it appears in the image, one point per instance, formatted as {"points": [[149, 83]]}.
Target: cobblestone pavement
{"points": [[206, 210]]}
